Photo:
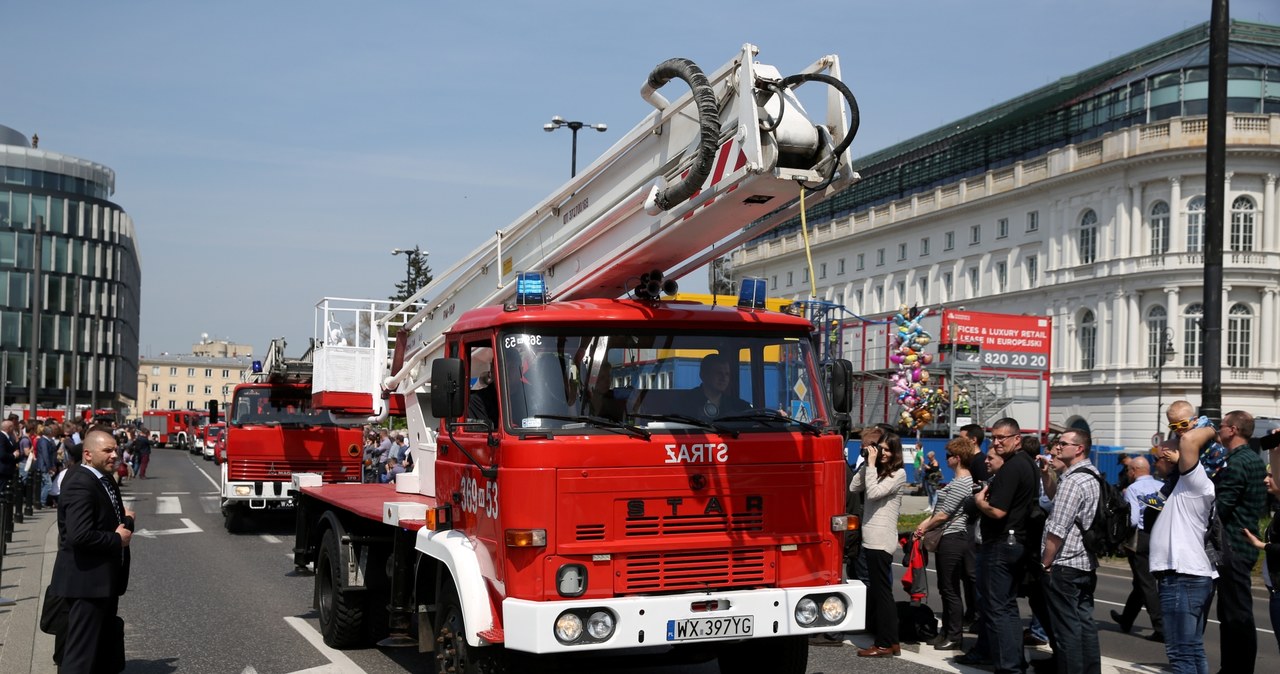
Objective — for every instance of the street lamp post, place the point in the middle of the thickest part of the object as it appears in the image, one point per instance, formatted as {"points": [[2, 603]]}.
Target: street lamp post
{"points": [[410, 257], [1167, 352], [557, 122]]}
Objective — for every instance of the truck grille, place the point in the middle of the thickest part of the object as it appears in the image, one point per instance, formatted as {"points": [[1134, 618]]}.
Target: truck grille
{"points": [[671, 571], [670, 525], [591, 532], [268, 470]]}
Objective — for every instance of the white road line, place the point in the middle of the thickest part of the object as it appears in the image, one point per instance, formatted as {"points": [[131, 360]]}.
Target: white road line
{"points": [[211, 504], [168, 505], [269, 538], [339, 663], [206, 475], [175, 493]]}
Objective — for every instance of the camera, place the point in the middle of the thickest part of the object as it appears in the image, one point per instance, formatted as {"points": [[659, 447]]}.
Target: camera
{"points": [[979, 485]]}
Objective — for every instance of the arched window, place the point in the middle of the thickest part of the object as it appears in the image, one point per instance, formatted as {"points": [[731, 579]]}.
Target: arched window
{"points": [[1242, 217], [1157, 322], [1158, 221], [1191, 337], [1239, 328], [1088, 241], [1088, 336], [1195, 225]]}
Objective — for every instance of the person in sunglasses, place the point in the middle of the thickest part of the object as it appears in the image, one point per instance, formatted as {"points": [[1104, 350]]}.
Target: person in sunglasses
{"points": [[1005, 504]]}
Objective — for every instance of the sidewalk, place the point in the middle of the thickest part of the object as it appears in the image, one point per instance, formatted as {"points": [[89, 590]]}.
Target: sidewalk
{"points": [[28, 563]]}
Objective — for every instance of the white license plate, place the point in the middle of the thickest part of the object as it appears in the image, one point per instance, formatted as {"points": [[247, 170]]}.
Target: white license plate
{"points": [[709, 628]]}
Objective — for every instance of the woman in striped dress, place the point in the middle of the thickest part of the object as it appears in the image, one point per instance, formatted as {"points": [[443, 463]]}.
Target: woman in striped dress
{"points": [[952, 514]]}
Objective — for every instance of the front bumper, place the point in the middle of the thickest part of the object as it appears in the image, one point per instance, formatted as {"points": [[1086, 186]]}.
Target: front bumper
{"points": [[642, 621], [259, 494]]}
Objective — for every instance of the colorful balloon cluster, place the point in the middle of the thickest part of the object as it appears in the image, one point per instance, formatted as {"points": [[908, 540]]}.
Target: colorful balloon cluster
{"points": [[910, 383]]}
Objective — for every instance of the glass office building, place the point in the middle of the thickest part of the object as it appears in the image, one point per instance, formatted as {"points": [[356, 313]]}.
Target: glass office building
{"points": [[56, 209]]}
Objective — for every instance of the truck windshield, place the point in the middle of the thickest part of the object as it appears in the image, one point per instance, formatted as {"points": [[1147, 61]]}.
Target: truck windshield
{"points": [[569, 382], [276, 407]]}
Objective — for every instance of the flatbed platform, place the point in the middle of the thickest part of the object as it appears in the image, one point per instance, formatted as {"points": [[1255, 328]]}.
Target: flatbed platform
{"points": [[368, 500]]}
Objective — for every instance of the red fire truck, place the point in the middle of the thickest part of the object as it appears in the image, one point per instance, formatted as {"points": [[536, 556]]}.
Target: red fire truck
{"points": [[593, 474], [172, 428], [272, 431]]}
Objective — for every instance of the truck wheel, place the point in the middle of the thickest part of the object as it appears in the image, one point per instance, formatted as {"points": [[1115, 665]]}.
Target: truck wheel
{"points": [[784, 655], [233, 518], [341, 615], [453, 653]]}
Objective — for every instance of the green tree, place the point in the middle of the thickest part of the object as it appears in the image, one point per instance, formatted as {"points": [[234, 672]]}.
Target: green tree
{"points": [[417, 274]]}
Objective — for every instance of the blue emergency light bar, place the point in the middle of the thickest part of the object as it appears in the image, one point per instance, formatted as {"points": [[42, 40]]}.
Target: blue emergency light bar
{"points": [[531, 289], [256, 367], [752, 293]]}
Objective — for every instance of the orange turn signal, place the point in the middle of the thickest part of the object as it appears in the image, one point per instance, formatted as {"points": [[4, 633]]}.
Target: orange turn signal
{"points": [[440, 518], [846, 523], [526, 538]]}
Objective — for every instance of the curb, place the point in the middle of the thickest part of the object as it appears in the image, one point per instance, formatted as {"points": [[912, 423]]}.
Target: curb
{"points": [[28, 566]]}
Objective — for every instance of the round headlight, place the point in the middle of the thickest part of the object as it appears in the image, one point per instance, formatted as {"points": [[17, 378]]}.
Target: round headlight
{"points": [[568, 628], [833, 608], [600, 625], [806, 612]]}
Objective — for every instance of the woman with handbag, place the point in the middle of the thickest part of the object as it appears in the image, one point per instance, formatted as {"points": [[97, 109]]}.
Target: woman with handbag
{"points": [[946, 534], [881, 476]]}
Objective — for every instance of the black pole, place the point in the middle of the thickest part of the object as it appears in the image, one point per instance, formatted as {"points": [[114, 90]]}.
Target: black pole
{"points": [[1215, 197], [573, 163], [15, 501], [33, 381]]}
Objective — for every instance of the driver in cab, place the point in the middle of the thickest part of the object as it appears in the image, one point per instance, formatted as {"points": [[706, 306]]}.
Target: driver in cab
{"points": [[713, 399]]}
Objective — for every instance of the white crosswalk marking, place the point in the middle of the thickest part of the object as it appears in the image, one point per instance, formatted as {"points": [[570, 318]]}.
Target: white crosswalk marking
{"points": [[211, 505], [168, 505]]}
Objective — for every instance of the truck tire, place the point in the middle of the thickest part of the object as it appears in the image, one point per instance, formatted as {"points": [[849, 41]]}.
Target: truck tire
{"points": [[233, 518], [784, 655], [452, 652], [341, 614]]}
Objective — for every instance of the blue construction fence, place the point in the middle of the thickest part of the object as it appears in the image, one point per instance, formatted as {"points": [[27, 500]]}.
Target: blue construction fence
{"points": [[1105, 457]]}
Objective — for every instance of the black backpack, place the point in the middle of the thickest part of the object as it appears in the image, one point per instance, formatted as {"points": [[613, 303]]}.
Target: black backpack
{"points": [[1105, 537]]}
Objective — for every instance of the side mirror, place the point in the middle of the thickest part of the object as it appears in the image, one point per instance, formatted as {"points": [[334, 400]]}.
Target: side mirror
{"points": [[446, 388], [840, 381], [213, 411]]}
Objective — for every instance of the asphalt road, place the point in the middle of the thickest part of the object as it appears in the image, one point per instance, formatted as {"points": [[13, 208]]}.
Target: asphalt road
{"points": [[202, 600]]}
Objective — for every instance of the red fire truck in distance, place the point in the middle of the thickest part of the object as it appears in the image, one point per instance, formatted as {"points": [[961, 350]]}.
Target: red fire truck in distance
{"points": [[172, 428], [272, 431], [593, 474]]}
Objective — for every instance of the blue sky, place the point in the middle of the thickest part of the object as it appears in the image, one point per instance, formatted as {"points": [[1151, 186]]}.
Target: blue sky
{"points": [[273, 153]]}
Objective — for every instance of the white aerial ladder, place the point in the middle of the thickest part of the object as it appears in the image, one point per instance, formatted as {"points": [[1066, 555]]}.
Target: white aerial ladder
{"points": [[722, 164], [276, 367]]}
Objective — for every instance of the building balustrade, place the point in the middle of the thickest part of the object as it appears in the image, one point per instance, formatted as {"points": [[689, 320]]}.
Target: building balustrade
{"points": [[1170, 134]]}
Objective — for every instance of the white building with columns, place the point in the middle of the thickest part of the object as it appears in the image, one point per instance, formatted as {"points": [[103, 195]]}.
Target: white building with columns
{"points": [[1083, 201]]}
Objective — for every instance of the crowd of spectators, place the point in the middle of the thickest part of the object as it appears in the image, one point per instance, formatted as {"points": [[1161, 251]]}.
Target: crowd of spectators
{"points": [[1016, 522]]}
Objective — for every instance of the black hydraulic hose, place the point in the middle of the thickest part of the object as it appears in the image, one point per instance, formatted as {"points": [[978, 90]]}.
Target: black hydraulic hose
{"points": [[855, 119], [708, 132]]}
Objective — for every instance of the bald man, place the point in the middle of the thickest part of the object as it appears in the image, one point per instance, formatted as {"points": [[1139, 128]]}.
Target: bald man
{"points": [[1144, 593], [91, 570]]}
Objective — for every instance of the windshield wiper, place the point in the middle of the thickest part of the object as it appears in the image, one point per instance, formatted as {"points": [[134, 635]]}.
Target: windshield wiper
{"points": [[770, 415], [598, 421], [689, 421]]}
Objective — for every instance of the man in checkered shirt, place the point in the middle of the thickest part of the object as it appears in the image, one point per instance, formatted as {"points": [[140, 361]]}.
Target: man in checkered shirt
{"points": [[1070, 570]]}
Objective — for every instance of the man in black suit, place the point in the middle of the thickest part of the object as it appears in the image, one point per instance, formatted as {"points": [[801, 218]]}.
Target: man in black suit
{"points": [[92, 567]]}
